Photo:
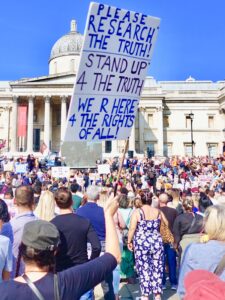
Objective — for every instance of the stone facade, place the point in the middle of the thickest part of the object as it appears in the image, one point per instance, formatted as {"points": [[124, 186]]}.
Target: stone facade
{"points": [[162, 126]]}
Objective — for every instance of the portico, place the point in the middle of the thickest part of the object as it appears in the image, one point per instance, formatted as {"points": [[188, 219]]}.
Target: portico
{"points": [[44, 121]]}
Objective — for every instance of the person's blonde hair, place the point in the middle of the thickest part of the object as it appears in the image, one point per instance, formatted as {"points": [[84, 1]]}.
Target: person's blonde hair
{"points": [[188, 203], [45, 209], [215, 222]]}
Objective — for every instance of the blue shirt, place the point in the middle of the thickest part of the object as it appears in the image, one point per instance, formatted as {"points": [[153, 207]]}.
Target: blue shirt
{"points": [[201, 256], [7, 231], [73, 282], [95, 214], [17, 224], [5, 255]]}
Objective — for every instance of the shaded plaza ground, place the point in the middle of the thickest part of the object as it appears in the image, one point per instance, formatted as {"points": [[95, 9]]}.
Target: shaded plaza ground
{"points": [[132, 291]]}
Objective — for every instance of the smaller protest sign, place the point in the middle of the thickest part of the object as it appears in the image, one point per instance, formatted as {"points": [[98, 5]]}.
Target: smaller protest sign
{"points": [[104, 169], [60, 172], [20, 168], [8, 167]]}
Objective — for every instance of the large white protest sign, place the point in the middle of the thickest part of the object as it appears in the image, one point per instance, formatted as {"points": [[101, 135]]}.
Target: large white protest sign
{"points": [[117, 50], [60, 172]]}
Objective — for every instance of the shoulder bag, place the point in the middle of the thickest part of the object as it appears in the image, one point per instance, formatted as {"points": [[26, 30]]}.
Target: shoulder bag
{"points": [[35, 290], [165, 232]]}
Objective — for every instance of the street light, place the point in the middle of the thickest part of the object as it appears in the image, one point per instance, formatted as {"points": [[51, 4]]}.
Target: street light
{"points": [[191, 117]]}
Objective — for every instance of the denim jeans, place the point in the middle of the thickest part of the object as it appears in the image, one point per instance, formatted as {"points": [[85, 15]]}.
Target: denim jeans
{"points": [[88, 295], [170, 258]]}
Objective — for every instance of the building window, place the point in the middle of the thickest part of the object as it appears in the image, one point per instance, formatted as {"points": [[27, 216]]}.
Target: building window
{"points": [[150, 147], [188, 122], [188, 149], [150, 120], [165, 121], [108, 146], [168, 149], [210, 121], [212, 149]]}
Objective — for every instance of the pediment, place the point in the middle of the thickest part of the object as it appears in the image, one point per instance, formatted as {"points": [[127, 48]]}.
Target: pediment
{"points": [[57, 79]]}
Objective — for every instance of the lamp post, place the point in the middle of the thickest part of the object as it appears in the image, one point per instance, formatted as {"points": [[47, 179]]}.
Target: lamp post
{"points": [[191, 117]]}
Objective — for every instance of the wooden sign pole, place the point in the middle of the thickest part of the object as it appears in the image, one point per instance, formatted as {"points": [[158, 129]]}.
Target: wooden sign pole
{"points": [[121, 166]]}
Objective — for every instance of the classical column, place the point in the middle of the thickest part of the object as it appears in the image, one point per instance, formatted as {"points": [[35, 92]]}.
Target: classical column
{"points": [[13, 147], [160, 130], [132, 138], [47, 122], [30, 125], [141, 129], [63, 116]]}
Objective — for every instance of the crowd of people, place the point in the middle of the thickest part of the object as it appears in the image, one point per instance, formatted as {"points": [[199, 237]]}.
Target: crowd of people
{"points": [[156, 225]]}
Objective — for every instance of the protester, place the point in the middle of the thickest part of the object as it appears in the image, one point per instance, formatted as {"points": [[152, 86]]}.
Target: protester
{"points": [[202, 285], [39, 243], [127, 259], [187, 223], [77, 196], [6, 228], [120, 227], [145, 239], [5, 245], [176, 203], [199, 255], [46, 209], [169, 251], [95, 214]]}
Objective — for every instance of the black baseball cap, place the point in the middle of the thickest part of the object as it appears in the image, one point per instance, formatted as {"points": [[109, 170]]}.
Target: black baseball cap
{"points": [[40, 235]]}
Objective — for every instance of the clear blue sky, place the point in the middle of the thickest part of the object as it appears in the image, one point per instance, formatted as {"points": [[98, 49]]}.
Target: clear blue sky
{"points": [[191, 40]]}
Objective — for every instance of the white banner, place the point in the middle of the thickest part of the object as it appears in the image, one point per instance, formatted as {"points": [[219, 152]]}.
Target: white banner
{"points": [[104, 169], [60, 172], [117, 50]]}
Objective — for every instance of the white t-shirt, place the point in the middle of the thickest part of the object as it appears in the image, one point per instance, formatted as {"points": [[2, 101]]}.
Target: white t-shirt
{"points": [[5, 255]]}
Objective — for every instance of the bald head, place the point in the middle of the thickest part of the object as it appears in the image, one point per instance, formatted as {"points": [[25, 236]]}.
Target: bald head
{"points": [[163, 198]]}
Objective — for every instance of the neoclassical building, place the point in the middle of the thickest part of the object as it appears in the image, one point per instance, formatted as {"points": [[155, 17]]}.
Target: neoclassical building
{"points": [[174, 117]]}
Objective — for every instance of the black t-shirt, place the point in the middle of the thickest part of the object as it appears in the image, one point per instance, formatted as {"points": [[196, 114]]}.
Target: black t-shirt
{"points": [[73, 282], [75, 232], [187, 223]]}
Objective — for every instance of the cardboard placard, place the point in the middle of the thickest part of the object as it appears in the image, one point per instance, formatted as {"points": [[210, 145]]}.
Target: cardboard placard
{"points": [[104, 169], [117, 50]]}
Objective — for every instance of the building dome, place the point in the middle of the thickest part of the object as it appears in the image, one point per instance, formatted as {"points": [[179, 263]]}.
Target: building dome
{"points": [[65, 54], [69, 44]]}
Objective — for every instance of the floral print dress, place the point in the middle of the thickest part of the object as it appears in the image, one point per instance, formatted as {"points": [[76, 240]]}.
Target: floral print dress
{"points": [[148, 251]]}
